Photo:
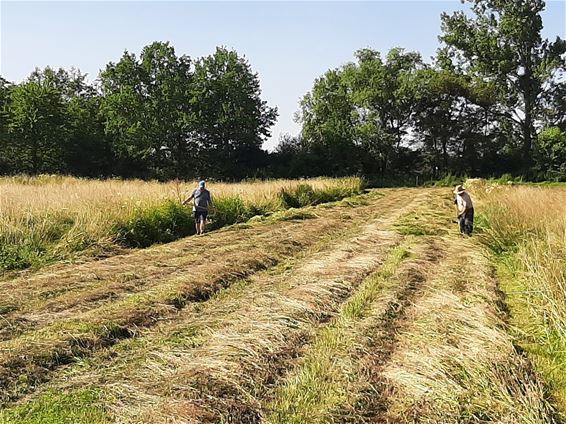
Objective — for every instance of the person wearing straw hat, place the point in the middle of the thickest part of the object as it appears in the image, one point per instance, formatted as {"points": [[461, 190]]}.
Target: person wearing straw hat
{"points": [[465, 210], [202, 200]]}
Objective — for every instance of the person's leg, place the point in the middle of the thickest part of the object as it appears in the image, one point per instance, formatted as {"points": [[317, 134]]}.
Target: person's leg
{"points": [[469, 222], [198, 220], [204, 215], [461, 223]]}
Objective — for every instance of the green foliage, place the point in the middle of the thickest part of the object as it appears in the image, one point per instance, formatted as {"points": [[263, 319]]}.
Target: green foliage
{"points": [[160, 116], [80, 407], [146, 105], [229, 116], [552, 154], [230, 210], [502, 44], [160, 224], [449, 181], [304, 195], [475, 110], [171, 221], [37, 127], [355, 117], [508, 179], [17, 257]]}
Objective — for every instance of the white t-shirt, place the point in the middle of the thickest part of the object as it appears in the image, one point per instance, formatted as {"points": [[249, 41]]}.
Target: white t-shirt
{"points": [[464, 202]]}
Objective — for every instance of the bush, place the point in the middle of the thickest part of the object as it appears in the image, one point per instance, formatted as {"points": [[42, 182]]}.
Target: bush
{"points": [[298, 197], [449, 181], [305, 195], [159, 224], [230, 210], [15, 257]]}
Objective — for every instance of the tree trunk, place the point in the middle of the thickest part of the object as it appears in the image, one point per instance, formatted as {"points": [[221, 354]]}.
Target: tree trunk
{"points": [[527, 85], [527, 131], [444, 152]]}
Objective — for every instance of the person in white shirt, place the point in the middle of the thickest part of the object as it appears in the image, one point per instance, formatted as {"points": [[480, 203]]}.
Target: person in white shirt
{"points": [[465, 210]]}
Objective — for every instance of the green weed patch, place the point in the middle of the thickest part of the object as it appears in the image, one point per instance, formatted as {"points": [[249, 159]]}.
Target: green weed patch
{"points": [[81, 407]]}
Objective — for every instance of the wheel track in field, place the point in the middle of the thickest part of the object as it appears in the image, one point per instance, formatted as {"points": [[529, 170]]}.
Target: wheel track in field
{"points": [[15, 357]]}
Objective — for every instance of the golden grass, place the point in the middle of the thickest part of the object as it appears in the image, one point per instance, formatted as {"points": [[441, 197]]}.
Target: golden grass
{"points": [[57, 216], [526, 228], [218, 357], [227, 375]]}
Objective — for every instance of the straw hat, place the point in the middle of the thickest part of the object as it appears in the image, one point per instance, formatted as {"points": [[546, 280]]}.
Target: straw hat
{"points": [[459, 189]]}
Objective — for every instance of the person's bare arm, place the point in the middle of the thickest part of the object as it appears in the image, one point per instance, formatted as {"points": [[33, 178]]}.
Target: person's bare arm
{"points": [[188, 199]]}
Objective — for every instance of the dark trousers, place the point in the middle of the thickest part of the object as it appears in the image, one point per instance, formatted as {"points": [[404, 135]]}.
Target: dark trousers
{"points": [[466, 221]]}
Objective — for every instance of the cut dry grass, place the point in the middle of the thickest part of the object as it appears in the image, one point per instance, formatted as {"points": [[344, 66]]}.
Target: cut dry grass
{"points": [[53, 339], [57, 336], [326, 377], [226, 377], [307, 338], [456, 363], [213, 361], [525, 228]]}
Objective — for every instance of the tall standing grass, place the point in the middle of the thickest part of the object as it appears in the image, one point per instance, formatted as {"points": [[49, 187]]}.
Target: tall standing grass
{"points": [[49, 218], [526, 228]]}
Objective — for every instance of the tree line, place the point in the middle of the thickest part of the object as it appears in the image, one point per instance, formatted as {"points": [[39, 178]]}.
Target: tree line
{"points": [[157, 116], [491, 101]]}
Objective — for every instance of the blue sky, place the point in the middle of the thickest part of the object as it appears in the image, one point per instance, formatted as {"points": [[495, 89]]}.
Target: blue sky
{"points": [[289, 44]]}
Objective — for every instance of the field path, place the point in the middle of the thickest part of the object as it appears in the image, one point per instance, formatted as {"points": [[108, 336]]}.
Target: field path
{"points": [[366, 310]]}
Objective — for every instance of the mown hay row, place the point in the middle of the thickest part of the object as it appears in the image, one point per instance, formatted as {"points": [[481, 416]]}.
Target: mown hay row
{"points": [[38, 353], [338, 378], [455, 362], [225, 378], [35, 300]]}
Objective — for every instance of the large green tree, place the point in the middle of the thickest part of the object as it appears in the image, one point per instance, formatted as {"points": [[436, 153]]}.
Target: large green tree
{"points": [[231, 120], [357, 118], [385, 94], [36, 127], [501, 45], [327, 116], [4, 104], [87, 151], [146, 105]]}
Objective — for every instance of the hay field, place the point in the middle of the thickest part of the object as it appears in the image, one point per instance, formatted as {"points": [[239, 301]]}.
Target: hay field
{"points": [[526, 229], [372, 309]]}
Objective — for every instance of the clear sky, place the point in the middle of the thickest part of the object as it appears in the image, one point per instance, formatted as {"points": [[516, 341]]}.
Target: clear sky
{"points": [[289, 44]]}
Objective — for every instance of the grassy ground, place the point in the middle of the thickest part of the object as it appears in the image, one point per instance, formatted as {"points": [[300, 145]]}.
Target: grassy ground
{"points": [[524, 227], [47, 219], [371, 309]]}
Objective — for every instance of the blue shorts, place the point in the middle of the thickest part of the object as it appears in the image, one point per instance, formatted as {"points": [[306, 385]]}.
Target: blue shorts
{"points": [[200, 215]]}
